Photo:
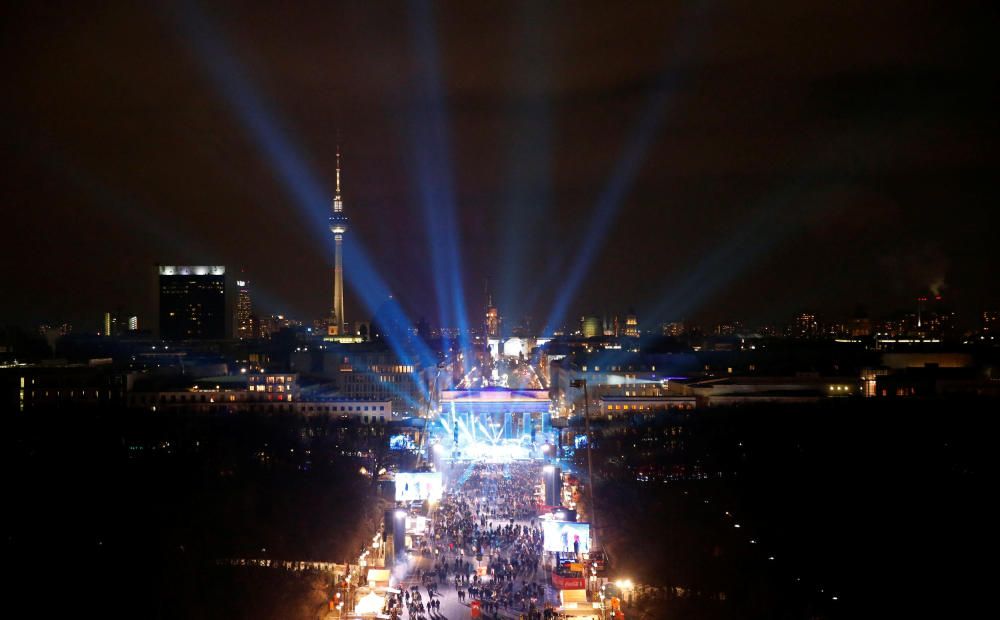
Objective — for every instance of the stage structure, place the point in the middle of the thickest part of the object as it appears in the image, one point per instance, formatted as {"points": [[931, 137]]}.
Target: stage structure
{"points": [[495, 423]]}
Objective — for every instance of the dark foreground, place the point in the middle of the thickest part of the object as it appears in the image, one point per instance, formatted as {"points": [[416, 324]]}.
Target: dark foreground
{"points": [[887, 507], [123, 515]]}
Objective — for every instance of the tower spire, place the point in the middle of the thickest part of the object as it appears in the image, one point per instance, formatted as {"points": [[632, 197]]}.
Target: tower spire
{"points": [[338, 226], [338, 202]]}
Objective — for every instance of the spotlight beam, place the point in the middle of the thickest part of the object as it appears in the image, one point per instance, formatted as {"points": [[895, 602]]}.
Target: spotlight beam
{"points": [[758, 234], [643, 134], [429, 146], [229, 77], [528, 187]]}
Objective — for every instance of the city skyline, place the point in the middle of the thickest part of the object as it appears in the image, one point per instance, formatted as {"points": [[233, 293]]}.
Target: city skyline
{"points": [[482, 158], [541, 310]]}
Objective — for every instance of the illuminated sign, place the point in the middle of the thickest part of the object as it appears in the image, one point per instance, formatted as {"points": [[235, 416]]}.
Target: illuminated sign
{"points": [[566, 536], [418, 486], [495, 395], [188, 270]]}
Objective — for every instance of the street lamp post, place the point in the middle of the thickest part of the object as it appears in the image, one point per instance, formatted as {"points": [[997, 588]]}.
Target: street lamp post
{"points": [[577, 383]]}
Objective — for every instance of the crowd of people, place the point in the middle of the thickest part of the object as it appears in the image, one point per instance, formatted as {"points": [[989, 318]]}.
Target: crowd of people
{"points": [[486, 542]]}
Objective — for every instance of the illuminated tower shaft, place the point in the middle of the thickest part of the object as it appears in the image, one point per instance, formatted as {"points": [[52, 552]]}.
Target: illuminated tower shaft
{"points": [[338, 283], [338, 226]]}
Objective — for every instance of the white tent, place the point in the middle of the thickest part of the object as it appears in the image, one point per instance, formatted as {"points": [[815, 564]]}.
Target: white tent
{"points": [[370, 603], [572, 596], [378, 577], [574, 603]]}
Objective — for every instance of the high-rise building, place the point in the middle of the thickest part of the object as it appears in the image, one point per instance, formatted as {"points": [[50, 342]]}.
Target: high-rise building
{"points": [[338, 226], [118, 323], [193, 304], [244, 310], [805, 325], [991, 321]]}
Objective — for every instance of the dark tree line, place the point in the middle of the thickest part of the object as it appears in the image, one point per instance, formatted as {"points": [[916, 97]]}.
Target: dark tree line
{"points": [[123, 512], [884, 505]]}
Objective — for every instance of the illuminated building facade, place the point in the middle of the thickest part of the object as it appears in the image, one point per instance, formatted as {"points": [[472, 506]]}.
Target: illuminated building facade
{"points": [[117, 323], [365, 411], [270, 325], [273, 387], [193, 302], [632, 325], [674, 328], [591, 326], [496, 413], [367, 372], [244, 310], [619, 406], [728, 328], [492, 320], [991, 321], [805, 325], [338, 226]]}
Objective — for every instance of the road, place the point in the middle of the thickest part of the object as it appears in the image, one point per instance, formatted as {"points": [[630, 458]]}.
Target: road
{"points": [[467, 484]]}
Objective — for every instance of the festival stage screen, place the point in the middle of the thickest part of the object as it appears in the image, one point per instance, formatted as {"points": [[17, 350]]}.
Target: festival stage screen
{"points": [[566, 536], [418, 486], [401, 442]]}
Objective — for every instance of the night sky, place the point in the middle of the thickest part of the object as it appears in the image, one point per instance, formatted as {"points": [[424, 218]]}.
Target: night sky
{"points": [[700, 161]]}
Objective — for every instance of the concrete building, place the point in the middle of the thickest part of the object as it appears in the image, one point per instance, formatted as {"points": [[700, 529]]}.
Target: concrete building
{"points": [[254, 392], [805, 325], [591, 326], [804, 388], [27, 388], [365, 411], [492, 325], [631, 324], [630, 379], [367, 371], [244, 310], [193, 304], [619, 406]]}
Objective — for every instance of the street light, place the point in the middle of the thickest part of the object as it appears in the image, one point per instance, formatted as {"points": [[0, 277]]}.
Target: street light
{"points": [[626, 587], [578, 383]]}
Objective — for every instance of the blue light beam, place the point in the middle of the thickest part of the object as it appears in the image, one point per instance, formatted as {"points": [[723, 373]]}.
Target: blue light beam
{"points": [[431, 154], [643, 134], [228, 75]]}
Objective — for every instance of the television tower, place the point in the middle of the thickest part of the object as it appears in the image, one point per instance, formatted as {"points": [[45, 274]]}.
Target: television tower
{"points": [[338, 226]]}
